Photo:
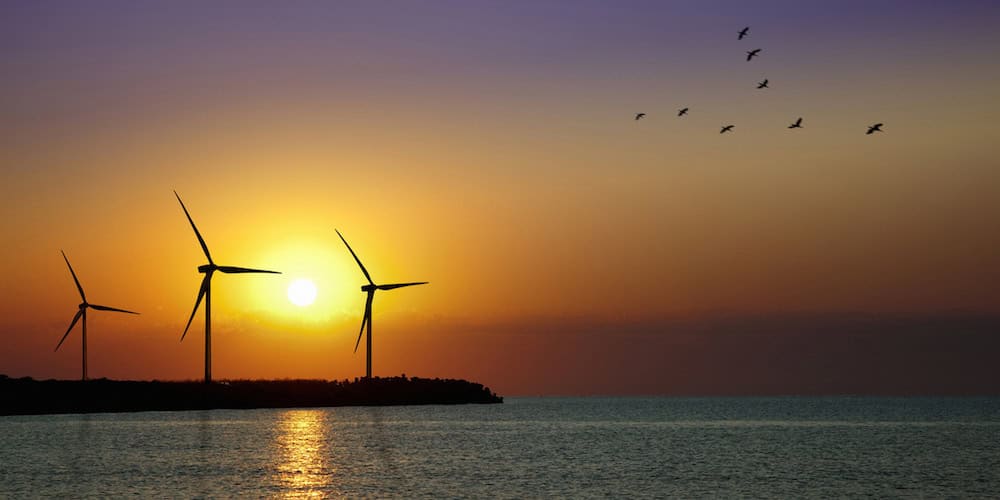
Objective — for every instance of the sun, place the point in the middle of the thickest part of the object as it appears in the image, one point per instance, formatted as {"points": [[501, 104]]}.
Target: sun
{"points": [[302, 292]]}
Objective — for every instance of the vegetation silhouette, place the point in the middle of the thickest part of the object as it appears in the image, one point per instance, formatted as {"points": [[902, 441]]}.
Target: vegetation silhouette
{"points": [[27, 396]]}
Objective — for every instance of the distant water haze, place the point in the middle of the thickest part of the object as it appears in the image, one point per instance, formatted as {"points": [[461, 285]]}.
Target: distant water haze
{"points": [[491, 150]]}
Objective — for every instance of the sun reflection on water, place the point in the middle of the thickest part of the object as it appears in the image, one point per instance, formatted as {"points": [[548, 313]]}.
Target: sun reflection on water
{"points": [[302, 441]]}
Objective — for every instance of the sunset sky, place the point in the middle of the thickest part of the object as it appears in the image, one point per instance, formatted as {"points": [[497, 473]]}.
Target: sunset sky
{"points": [[490, 149]]}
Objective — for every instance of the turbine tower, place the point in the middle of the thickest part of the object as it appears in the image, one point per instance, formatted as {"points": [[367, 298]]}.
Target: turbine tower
{"points": [[82, 313], [367, 319], [205, 292]]}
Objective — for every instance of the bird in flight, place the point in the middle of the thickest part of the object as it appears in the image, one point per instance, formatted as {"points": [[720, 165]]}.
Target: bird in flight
{"points": [[762, 85], [682, 112], [743, 32], [725, 129], [797, 124], [639, 116], [752, 53], [874, 128]]}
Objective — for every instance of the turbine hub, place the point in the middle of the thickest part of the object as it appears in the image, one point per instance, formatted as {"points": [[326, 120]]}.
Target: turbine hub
{"points": [[368, 288], [83, 305], [207, 268]]}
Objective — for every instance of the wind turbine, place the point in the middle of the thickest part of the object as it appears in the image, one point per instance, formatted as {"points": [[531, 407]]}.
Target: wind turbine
{"points": [[82, 313], [206, 291], [367, 319]]}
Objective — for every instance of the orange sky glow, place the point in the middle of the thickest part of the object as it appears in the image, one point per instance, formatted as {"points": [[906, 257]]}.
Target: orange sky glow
{"points": [[569, 249]]}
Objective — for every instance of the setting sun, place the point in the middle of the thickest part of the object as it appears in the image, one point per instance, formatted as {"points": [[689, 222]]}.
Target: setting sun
{"points": [[302, 292]]}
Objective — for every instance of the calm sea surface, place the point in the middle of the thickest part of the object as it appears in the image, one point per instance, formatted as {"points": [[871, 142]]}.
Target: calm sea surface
{"points": [[527, 447]]}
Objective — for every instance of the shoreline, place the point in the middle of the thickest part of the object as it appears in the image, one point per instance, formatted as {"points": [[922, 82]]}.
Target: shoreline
{"points": [[27, 396]]}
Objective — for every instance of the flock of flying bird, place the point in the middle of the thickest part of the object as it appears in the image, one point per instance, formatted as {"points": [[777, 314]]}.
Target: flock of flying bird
{"points": [[760, 86], [205, 293]]}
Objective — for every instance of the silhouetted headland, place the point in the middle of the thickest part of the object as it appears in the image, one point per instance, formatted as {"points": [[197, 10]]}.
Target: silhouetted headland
{"points": [[26, 396]]}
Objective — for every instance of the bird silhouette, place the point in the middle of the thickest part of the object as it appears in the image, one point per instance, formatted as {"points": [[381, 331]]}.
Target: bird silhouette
{"points": [[639, 116], [682, 112], [763, 84], [743, 32], [725, 129], [752, 53], [874, 128], [797, 124]]}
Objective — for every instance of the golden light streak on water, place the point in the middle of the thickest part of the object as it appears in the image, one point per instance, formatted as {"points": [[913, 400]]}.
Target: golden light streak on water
{"points": [[302, 443]]}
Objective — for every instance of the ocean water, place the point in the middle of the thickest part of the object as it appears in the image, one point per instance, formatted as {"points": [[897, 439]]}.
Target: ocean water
{"points": [[525, 448]]}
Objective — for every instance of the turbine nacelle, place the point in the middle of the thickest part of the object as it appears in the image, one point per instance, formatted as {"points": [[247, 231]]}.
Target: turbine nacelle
{"points": [[83, 305], [369, 288], [207, 268]]}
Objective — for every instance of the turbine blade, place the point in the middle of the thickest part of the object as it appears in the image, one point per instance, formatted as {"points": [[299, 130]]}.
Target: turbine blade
{"points": [[361, 332], [232, 270], [71, 325], [401, 285], [201, 240], [78, 287], [362, 266], [366, 319], [201, 295], [106, 308]]}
